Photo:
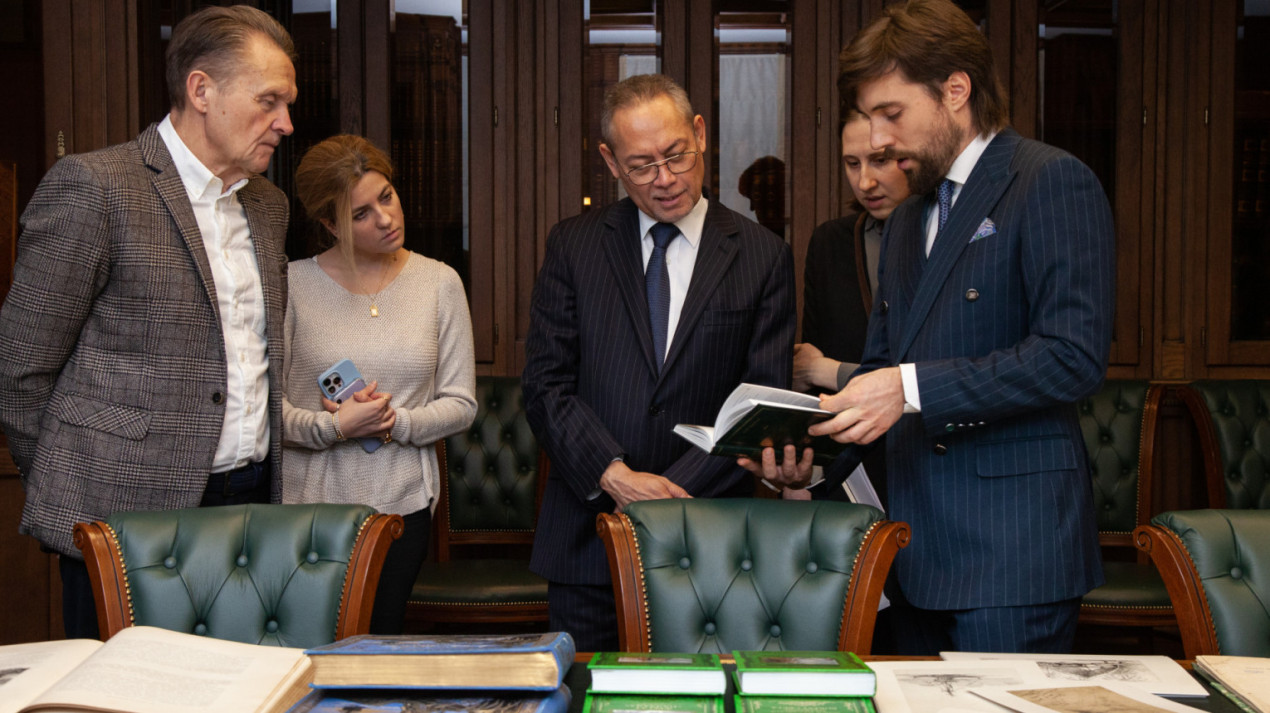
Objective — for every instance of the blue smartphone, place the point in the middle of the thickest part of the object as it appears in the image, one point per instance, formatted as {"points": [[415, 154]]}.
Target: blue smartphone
{"points": [[338, 384]]}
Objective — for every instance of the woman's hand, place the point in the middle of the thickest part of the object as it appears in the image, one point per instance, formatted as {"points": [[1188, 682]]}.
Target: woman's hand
{"points": [[368, 413]]}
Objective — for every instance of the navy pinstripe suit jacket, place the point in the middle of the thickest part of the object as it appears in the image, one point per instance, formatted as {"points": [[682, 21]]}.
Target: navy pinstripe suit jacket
{"points": [[591, 387], [1007, 328]]}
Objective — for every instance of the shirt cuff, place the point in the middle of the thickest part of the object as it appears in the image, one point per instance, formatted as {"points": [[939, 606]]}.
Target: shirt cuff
{"points": [[912, 399]]}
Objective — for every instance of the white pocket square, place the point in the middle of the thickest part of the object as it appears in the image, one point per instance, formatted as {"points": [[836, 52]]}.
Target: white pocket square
{"points": [[986, 228]]}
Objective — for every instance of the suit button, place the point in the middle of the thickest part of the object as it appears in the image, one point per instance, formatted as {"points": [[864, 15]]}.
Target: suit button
{"points": [[218, 397], [885, 306], [950, 428], [654, 411], [940, 449], [972, 294]]}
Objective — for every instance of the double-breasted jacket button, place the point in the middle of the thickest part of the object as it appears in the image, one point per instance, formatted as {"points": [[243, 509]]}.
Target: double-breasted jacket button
{"points": [[972, 294], [940, 449], [885, 306]]}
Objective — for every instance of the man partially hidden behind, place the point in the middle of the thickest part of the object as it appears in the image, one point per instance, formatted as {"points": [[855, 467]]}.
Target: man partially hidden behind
{"points": [[993, 317], [141, 344], [646, 313]]}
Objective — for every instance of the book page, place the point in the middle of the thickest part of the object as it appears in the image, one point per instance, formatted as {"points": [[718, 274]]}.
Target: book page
{"points": [[1160, 675], [1075, 697], [1247, 676], [148, 670], [743, 397], [27, 670]]}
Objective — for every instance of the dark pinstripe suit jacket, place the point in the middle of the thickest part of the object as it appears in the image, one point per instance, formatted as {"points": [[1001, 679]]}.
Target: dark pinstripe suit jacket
{"points": [[591, 386], [1007, 330], [112, 364]]}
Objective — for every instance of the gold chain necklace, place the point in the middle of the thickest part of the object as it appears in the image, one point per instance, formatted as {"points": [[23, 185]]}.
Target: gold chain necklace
{"points": [[383, 280]]}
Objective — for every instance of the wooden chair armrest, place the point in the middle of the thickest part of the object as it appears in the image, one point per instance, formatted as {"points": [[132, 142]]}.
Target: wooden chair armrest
{"points": [[362, 578], [868, 575], [107, 575], [1181, 579], [628, 581]]}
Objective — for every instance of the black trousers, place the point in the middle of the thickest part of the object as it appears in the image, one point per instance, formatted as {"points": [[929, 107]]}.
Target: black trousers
{"points": [[588, 612], [401, 569]]}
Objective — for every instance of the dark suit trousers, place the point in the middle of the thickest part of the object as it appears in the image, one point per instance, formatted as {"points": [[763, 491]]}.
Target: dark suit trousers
{"points": [[587, 611], [249, 484], [1035, 628]]}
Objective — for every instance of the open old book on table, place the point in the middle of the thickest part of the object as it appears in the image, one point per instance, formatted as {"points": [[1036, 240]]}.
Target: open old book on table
{"points": [[147, 670], [756, 417]]}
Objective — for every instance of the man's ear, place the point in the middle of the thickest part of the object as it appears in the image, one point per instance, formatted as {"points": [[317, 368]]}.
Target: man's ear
{"points": [[699, 131], [956, 90], [197, 86], [611, 160]]}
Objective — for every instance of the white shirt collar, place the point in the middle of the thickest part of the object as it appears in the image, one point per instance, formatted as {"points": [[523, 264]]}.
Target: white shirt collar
{"points": [[200, 182], [690, 226], [959, 173]]}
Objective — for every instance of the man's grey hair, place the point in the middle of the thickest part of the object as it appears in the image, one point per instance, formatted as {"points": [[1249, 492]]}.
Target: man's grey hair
{"points": [[640, 89], [214, 40]]}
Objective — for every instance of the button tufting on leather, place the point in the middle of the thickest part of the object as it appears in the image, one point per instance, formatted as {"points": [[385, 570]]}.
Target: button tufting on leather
{"points": [[242, 560], [271, 626], [746, 565], [709, 628], [1236, 573], [311, 558], [812, 567], [776, 630], [169, 562], [684, 563], [200, 629]]}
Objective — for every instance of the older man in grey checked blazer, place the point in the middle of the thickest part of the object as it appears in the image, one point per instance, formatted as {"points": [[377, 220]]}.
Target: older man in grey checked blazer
{"points": [[141, 344]]}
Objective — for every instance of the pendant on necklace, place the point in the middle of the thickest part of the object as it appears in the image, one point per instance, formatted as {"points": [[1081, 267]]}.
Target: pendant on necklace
{"points": [[374, 311]]}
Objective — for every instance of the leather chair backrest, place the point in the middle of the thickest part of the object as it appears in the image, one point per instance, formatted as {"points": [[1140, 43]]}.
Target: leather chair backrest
{"points": [[263, 574], [1111, 422], [492, 467], [1236, 440], [747, 574], [1231, 553]]}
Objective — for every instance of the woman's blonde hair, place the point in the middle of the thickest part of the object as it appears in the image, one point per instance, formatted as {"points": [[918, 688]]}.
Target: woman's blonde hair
{"points": [[325, 179]]}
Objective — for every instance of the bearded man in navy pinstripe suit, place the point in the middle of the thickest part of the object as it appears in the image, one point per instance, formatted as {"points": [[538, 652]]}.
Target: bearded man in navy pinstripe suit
{"points": [[603, 387], [990, 322]]}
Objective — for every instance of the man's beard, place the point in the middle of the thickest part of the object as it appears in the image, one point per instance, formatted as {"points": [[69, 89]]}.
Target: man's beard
{"points": [[928, 165]]}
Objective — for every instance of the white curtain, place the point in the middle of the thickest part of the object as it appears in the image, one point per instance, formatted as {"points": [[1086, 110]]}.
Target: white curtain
{"points": [[752, 120]]}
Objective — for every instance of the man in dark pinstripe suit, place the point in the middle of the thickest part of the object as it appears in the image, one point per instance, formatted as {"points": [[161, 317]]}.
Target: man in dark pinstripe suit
{"points": [[993, 318], [141, 344], [600, 397]]}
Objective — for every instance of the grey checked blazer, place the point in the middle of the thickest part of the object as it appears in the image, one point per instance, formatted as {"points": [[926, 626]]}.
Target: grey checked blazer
{"points": [[1009, 324], [591, 386], [112, 363]]}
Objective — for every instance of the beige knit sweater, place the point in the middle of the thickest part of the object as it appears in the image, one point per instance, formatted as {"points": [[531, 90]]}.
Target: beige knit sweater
{"points": [[420, 350]]}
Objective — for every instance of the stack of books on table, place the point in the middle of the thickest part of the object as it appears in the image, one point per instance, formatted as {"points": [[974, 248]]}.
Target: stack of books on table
{"points": [[803, 682], [655, 683], [509, 674]]}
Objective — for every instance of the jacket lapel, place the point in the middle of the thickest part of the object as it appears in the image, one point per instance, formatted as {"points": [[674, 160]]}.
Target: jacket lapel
{"points": [[167, 183], [270, 262], [988, 181], [715, 254], [626, 262]]}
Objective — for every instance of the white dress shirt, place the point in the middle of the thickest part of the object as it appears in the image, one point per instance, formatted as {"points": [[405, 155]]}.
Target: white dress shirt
{"points": [[222, 221], [681, 257], [959, 173]]}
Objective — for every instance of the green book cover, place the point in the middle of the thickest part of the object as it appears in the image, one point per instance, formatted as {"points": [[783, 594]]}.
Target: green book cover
{"points": [[622, 703], [642, 672], [801, 704], [803, 673]]}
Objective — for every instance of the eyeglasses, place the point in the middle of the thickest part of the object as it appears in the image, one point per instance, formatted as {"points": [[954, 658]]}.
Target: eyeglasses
{"points": [[681, 163]]}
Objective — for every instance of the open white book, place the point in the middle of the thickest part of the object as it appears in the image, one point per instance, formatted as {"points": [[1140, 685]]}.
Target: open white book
{"points": [[1243, 678], [147, 670], [756, 417]]}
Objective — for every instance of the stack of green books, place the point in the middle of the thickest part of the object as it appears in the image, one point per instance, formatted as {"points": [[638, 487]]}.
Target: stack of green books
{"points": [[655, 683], [510, 674], [803, 682]]}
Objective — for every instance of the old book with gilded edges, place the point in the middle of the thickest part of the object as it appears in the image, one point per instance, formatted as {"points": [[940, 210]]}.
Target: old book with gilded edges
{"points": [[803, 673], [528, 662], [1243, 679], [378, 700], [642, 672]]}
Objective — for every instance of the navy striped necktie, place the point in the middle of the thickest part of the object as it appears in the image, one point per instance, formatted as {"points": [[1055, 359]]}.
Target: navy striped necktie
{"points": [[657, 285], [944, 195]]}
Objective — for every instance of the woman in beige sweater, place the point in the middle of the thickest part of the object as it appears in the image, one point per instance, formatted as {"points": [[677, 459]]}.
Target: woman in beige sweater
{"points": [[402, 319]]}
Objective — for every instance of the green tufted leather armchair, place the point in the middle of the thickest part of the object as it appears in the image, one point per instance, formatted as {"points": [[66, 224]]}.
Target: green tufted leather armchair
{"points": [[1119, 428], [1233, 418], [283, 575], [1216, 564], [748, 574], [492, 477]]}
